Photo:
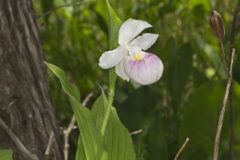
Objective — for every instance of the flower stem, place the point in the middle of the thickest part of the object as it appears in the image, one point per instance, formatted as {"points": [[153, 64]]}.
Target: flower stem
{"points": [[112, 80], [223, 58], [223, 109]]}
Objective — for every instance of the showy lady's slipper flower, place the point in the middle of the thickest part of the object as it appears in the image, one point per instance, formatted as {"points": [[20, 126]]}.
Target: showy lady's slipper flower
{"points": [[129, 58]]}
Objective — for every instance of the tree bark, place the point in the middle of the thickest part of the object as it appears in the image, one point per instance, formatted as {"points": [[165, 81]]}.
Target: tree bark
{"points": [[24, 99]]}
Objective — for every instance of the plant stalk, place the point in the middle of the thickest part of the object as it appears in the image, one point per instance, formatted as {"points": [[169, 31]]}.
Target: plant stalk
{"points": [[223, 109], [112, 81]]}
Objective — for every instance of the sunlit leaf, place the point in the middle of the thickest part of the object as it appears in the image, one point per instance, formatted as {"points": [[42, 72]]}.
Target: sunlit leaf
{"points": [[117, 139], [113, 26], [112, 19], [90, 138]]}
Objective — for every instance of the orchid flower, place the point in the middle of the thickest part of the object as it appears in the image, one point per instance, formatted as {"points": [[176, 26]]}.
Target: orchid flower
{"points": [[130, 60]]}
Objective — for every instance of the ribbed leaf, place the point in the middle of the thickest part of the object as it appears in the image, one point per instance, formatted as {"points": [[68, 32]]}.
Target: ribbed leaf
{"points": [[117, 138], [179, 71], [200, 118], [113, 26], [90, 147], [80, 155], [112, 20]]}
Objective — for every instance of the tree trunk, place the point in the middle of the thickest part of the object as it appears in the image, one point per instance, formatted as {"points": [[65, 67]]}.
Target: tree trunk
{"points": [[24, 99]]}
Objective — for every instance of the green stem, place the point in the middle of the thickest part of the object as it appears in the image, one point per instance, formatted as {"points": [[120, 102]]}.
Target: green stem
{"points": [[112, 80]]}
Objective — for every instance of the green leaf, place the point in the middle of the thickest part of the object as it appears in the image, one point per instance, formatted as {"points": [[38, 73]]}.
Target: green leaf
{"points": [[200, 118], [5, 155], [98, 110], [203, 105], [141, 103], [117, 139], [68, 87], [179, 72], [113, 26], [89, 144], [80, 155], [112, 20], [157, 140], [146, 113], [169, 50]]}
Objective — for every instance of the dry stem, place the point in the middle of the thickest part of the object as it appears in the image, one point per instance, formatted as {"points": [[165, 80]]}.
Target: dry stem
{"points": [[222, 113], [49, 145], [181, 149], [136, 132]]}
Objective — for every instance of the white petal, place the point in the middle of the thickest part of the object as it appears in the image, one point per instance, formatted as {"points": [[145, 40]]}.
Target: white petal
{"points": [[111, 58], [145, 41], [130, 29], [133, 50], [146, 71], [120, 71]]}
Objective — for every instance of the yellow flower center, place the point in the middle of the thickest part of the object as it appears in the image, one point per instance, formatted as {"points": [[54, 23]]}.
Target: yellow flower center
{"points": [[138, 56]]}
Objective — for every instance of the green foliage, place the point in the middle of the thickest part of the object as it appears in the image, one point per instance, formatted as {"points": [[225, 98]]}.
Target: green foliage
{"points": [[90, 143], [148, 115], [179, 72], [117, 138], [208, 106], [115, 141], [201, 130], [5, 155], [184, 103]]}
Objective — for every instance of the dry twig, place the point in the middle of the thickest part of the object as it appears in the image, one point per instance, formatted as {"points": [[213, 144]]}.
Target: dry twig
{"points": [[71, 126], [222, 113], [181, 149], [26, 153], [136, 132], [49, 145]]}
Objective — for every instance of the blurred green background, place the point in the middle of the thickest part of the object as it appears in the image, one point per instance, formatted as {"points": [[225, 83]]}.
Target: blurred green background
{"points": [[187, 99]]}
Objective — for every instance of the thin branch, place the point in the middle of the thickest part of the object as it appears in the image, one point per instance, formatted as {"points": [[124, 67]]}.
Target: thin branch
{"points": [[62, 6], [232, 124], [181, 149], [26, 153], [222, 113], [49, 145], [136, 132], [71, 126], [66, 133]]}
